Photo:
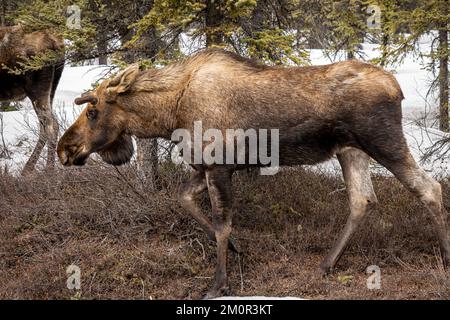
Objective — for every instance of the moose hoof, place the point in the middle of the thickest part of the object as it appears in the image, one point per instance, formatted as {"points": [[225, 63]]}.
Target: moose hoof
{"points": [[324, 270], [217, 293]]}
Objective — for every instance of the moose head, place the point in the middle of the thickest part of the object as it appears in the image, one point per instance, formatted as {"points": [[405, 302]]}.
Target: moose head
{"points": [[102, 125]]}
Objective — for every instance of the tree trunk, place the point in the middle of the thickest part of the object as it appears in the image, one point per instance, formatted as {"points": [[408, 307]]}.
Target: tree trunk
{"points": [[3, 13], [350, 54], [213, 20], [384, 45], [443, 80], [102, 48], [129, 56], [147, 157]]}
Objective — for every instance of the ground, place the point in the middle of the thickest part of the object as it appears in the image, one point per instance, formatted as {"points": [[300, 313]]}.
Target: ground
{"points": [[132, 241]]}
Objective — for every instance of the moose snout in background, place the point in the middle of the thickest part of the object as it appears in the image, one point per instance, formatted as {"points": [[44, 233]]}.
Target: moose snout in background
{"points": [[348, 109]]}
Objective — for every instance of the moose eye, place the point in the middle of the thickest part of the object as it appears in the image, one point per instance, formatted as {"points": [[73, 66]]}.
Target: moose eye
{"points": [[91, 114]]}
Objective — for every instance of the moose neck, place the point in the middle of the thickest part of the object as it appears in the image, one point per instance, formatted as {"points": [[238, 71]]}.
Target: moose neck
{"points": [[154, 101], [152, 114]]}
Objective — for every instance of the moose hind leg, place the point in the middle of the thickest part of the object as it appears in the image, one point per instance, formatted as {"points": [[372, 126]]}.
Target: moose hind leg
{"points": [[428, 190], [219, 188], [362, 199]]}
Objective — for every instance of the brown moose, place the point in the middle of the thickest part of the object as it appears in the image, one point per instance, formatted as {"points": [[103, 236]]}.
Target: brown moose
{"points": [[348, 109], [38, 85]]}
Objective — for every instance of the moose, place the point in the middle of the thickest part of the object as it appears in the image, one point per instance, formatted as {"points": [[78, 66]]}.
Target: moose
{"points": [[351, 110], [16, 46]]}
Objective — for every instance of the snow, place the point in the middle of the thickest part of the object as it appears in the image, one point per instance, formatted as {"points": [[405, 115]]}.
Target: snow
{"points": [[19, 127]]}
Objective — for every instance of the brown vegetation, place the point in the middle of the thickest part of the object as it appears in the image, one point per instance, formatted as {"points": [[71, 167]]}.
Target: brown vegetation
{"points": [[132, 241]]}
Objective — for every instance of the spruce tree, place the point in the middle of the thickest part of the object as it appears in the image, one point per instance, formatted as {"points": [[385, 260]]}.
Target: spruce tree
{"points": [[411, 21]]}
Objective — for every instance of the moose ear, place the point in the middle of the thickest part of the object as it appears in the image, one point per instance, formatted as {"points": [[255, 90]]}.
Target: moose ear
{"points": [[122, 82]]}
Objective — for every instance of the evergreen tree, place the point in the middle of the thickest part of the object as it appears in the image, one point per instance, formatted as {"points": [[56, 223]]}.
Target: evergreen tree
{"points": [[415, 19], [226, 24], [276, 31]]}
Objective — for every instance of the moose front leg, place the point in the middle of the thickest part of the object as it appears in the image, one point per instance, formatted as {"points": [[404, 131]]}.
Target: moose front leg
{"points": [[219, 187], [42, 139], [41, 97], [52, 130], [189, 193]]}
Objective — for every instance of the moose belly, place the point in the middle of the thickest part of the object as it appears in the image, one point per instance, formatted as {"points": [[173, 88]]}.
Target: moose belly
{"points": [[313, 143], [305, 154], [11, 87], [304, 144]]}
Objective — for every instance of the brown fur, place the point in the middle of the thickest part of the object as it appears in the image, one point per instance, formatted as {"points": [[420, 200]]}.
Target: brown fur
{"points": [[15, 46], [349, 109]]}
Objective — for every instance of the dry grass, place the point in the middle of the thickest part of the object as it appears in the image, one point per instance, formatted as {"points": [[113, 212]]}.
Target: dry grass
{"points": [[132, 241]]}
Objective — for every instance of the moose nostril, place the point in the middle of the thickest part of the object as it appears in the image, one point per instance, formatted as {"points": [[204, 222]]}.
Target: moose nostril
{"points": [[72, 149], [64, 157]]}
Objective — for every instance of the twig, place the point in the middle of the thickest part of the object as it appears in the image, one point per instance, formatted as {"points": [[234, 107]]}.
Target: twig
{"points": [[240, 272], [130, 185], [203, 248], [5, 152]]}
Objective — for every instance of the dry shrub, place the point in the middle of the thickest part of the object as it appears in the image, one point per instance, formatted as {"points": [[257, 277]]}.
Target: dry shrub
{"points": [[132, 240]]}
